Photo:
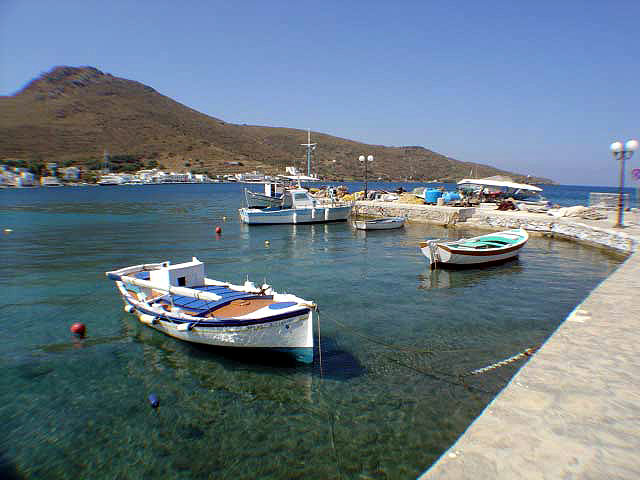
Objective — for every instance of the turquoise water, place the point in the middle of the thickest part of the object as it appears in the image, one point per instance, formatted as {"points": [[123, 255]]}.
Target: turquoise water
{"points": [[383, 399]]}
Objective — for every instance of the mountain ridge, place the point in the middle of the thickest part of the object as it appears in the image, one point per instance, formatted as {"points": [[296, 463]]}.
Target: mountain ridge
{"points": [[72, 115]]}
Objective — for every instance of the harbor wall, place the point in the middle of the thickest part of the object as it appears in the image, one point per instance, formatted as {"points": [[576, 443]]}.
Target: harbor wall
{"points": [[594, 232]]}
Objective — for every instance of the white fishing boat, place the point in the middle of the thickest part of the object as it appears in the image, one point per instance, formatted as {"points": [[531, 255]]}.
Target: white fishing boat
{"points": [[485, 249], [297, 206], [384, 223], [180, 301]]}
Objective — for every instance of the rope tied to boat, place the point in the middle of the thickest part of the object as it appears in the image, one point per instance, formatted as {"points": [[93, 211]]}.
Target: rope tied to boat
{"points": [[526, 353]]}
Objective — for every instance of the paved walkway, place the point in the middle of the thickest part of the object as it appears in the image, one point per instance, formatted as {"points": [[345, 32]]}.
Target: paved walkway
{"points": [[573, 410]]}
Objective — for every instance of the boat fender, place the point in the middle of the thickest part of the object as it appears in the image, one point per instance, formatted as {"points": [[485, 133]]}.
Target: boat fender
{"points": [[187, 326], [154, 401], [129, 308]]}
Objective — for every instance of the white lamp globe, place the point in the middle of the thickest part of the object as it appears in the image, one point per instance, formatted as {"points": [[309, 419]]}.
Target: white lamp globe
{"points": [[370, 157], [361, 158], [616, 147], [631, 146]]}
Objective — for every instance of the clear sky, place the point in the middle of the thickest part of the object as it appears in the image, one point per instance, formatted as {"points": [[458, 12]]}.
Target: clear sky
{"points": [[539, 88]]}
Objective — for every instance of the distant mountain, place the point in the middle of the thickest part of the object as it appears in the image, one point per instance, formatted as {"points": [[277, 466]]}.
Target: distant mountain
{"points": [[73, 115]]}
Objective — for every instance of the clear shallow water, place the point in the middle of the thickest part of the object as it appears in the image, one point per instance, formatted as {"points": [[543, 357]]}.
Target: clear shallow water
{"points": [[384, 402]]}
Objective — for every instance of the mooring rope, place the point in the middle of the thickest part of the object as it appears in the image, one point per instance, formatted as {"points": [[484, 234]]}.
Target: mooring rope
{"points": [[527, 353]]}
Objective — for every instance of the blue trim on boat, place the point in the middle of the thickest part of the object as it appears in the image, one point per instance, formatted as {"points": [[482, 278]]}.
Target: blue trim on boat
{"points": [[221, 322]]}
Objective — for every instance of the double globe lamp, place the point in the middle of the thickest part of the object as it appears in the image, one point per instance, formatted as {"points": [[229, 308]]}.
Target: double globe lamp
{"points": [[622, 152]]}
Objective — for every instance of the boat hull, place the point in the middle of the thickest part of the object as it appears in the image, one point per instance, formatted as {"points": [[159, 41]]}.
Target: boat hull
{"points": [[289, 333], [295, 215]]}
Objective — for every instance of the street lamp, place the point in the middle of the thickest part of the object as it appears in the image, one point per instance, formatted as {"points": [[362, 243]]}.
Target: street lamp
{"points": [[365, 161], [622, 152]]}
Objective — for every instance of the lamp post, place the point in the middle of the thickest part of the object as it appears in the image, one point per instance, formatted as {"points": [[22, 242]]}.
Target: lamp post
{"points": [[365, 161], [622, 152]]}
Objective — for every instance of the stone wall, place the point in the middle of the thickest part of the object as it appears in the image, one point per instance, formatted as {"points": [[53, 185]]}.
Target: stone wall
{"points": [[597, 233]]}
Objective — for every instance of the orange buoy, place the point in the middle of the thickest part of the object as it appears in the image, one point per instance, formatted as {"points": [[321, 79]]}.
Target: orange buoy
{"points": [[78, 329], [218, 230]]}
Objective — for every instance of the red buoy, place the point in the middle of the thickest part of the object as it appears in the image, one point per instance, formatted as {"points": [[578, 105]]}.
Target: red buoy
{"points": [[78, 329], [218, 230]]}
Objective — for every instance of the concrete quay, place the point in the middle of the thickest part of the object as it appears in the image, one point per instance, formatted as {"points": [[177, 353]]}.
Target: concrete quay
{"points": [[573, 410]]}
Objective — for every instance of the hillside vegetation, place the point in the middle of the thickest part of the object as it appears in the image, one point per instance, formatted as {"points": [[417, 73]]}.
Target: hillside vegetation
{"points": [[73, 115]]}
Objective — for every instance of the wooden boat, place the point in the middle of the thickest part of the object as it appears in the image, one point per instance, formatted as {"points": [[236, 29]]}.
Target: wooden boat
{"points": [[178, 300], [384, 223], [482, 250], [298, 206]]}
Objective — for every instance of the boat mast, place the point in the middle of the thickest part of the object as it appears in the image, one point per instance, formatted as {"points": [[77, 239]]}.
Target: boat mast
{"points": [[310, 146]]}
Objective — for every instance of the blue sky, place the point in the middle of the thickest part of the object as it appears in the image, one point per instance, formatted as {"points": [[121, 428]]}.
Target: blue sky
{"points": [[539, 88]]}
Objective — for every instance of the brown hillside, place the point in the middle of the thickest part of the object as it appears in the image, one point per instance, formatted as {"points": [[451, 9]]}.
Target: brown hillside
{"points": [[75, 114]]}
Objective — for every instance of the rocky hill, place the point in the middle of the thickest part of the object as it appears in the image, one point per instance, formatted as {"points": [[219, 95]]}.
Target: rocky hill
{"points": [[73, 115]]}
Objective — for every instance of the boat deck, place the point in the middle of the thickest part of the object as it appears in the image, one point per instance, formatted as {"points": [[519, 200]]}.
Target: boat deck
{"points": [[231, 304]]}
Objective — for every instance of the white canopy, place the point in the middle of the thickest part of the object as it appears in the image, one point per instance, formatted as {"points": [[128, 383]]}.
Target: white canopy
{"points": [[498, 183]]}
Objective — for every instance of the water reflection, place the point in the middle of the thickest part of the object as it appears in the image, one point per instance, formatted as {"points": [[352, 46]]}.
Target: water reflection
{"points": [[457, 278]]}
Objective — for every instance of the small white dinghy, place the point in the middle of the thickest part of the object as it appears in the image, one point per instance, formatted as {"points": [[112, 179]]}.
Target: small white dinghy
{"points": [[178, 300], [467, 252], [385, 223]]}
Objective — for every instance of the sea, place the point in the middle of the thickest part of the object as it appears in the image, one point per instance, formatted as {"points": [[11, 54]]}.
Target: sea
{"points": [[390, 387]]}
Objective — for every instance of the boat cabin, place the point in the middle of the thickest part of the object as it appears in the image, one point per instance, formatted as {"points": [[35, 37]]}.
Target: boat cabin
{"points": [[188, 274], [298, 198]]}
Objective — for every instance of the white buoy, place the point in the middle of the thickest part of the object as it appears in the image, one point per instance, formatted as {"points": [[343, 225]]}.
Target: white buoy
{"points": [[7, 230], [267, 243]]}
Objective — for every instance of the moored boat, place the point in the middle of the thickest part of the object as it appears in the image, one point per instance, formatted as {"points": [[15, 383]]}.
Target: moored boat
{"points": [[384, 223], [482, 250], [297, 206], [180, 301]]}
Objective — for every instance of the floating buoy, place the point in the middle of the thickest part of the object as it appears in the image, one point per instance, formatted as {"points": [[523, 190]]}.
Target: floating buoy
{"points": [[7, 230], [78, 329], [154, 401], [218, 230], [267, 243]]}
